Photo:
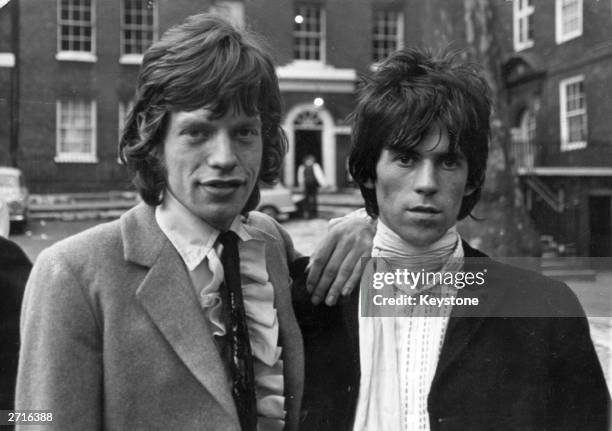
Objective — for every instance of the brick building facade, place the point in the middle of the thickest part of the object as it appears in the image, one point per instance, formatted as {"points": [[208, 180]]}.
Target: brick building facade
{"points": [[557, 73], [79, 60]]}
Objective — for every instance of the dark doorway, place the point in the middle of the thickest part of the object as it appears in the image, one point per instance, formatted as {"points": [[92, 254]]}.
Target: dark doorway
{"points": [[306, 142], [601, 225]]}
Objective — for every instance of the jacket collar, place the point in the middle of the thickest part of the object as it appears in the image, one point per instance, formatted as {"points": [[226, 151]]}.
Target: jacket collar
{"points": [[170, 301]]}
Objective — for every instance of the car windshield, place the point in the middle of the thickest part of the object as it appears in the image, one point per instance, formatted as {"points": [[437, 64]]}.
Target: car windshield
{"points": [[9, 181]]}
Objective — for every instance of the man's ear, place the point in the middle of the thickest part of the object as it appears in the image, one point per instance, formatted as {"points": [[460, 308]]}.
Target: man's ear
{"points": [[369, 184], [469, 189]]}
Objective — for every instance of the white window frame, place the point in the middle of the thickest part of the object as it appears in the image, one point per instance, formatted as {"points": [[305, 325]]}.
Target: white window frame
{"points": [[72, 55], [135, 58], [560, 35], [231, 10], [321, 35], [566, 145], [76, 157], [522, 11], [398, 37]]}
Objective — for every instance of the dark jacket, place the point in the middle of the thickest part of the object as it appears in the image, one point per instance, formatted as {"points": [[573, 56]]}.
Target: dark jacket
{"points": [[14, 270], [501, 373]]}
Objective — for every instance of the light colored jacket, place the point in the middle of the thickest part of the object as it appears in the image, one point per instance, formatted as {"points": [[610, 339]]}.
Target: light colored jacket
{"points": [[113, 337]]}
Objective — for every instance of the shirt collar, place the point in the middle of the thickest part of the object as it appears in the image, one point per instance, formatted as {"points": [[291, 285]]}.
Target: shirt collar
{"points": [[191, 236]]}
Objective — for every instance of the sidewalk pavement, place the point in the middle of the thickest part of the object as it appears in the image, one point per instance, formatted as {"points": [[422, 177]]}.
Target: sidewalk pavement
{"points": [[111, 204], [81, 206]]}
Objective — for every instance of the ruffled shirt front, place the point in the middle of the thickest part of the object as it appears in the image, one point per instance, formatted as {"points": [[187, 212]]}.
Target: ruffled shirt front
{"points": [[195, 241]]}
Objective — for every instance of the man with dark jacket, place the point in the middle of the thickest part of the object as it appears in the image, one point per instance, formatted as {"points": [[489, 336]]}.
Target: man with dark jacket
{"points": [[14, 270], [509, 352]]}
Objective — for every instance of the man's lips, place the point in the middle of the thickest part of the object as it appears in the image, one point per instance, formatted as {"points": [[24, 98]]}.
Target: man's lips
{"points": [[226, 183], [425, 209], [222, 188]]}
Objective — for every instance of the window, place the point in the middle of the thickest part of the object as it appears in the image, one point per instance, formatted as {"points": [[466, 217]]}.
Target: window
{"points": [[138, 29], [523, 24], [573, 114], [568, 19], [76, 39], [231, 10], [76, 131], [309, 33], [387, 34]]}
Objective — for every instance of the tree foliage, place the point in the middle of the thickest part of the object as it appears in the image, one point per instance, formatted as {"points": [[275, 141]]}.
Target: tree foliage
{"points": [[505, 228]]}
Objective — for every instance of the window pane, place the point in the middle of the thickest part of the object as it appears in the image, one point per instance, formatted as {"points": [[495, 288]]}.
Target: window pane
{"points": [[76, 127], [76, 26], [385, 34], [574, 114], [138, 26], [308, 34]]}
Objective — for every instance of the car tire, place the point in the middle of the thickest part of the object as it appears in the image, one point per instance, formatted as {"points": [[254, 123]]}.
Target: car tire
{"points": [[19, 227], [270, 211]]}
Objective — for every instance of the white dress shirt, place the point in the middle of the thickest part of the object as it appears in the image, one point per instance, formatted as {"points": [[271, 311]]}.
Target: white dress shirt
{"points": [[195, 241]]}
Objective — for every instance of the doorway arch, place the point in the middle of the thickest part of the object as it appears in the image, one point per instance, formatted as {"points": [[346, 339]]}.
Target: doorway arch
{"points": [[310, 129]]}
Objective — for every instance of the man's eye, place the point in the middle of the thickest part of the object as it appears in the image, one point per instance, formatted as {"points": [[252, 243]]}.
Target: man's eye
{"points": [[247, 132], [450, 162], [406, 159], [197, 133]]}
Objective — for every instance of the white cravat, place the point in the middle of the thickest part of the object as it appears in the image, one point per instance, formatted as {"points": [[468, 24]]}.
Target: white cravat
{"points": [[399, 355]]}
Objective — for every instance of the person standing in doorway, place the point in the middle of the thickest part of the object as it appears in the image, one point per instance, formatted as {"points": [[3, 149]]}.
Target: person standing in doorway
{"points": [[310, 179]]}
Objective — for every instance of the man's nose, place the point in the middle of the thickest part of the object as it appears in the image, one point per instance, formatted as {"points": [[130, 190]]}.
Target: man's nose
{"points": [[425, 181], [222, 154]]}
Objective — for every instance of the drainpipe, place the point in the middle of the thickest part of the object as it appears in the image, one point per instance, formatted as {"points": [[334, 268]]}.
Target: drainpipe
{"points": [[14, 96]]}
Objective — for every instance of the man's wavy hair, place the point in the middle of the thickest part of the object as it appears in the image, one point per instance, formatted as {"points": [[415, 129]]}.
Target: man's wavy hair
{"points": [[411, 92], [204, 62]]}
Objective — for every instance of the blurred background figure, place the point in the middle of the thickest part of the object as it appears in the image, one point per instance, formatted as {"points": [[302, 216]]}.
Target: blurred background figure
{"points": [[14, 270], [310, 179]]}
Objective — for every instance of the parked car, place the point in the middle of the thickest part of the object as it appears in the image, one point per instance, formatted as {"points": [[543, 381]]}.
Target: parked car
{"points": [[4, 219], [276, 201], [14, 192]]}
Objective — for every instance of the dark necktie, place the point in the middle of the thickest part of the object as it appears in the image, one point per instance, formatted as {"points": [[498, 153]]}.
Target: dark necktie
{"points": [[241, 361]]}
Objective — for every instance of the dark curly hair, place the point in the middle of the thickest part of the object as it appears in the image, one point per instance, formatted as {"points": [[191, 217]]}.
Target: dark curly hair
{"points": [[203, 62], [411, 92]]}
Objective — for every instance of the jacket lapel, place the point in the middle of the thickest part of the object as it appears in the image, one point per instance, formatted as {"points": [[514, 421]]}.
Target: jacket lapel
{"points": [[465, 321], [169, 299]]}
